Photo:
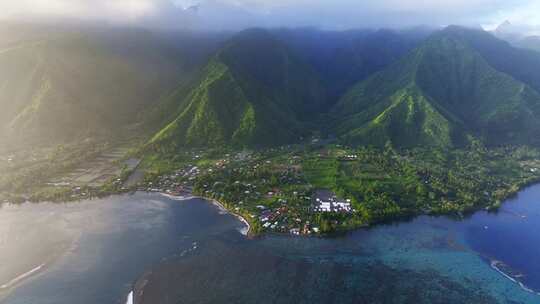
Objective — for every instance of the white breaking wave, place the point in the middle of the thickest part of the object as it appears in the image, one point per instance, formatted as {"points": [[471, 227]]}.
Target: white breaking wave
{"points": [[177, 198], [527, 289], [21, 277], [244, 231], [223, 210], [193, 247], [129, 299]]}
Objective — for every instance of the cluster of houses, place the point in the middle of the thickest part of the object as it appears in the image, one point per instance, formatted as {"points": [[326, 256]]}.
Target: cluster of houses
{"points": [[349, 157], [269, 218], [326, 201], [281, 218], [169, 183], [306, 230], [274, 220]]}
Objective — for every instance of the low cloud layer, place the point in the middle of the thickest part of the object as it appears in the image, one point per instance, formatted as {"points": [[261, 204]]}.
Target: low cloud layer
{"points": [[235, 14]]}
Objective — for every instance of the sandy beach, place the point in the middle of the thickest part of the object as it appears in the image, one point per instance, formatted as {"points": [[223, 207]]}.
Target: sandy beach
{"points": [[239, 217]]}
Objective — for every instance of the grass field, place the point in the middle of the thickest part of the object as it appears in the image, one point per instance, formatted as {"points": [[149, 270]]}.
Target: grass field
{"points": [[321, 173]]}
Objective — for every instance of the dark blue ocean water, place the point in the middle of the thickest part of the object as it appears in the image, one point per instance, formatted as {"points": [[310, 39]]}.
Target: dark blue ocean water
{"points": [[190, 252], [510, 237]]}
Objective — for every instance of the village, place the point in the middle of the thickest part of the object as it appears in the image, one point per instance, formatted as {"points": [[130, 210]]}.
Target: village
{"points": [[271, 194], [316, 189], [302, 189]]}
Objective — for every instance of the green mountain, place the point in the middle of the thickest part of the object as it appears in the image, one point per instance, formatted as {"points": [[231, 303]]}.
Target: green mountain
{"points": [[253, 92], [60, 84], [521, 64], [343, 58], [439, 95], [266, 88]]}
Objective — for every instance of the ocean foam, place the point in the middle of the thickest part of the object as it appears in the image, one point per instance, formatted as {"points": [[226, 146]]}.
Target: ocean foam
{"points": [[129, 299], [527, 289], [223, 210], [177, 198], [22, 277]]}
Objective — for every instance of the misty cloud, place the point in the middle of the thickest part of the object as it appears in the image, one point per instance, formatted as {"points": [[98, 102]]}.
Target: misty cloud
{"points": [[235, 14]]}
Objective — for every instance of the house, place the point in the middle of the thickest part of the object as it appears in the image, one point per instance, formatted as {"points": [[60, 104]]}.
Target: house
{"points": [[327, 201]]}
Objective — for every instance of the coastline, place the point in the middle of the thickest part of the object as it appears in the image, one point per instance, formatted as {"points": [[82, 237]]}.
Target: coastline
{"points": [[249, 231], [216, 203], [188, 195], [238, 216]]}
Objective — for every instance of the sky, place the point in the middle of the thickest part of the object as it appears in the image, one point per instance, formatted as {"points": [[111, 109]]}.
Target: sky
{"points": [[238, 14]]}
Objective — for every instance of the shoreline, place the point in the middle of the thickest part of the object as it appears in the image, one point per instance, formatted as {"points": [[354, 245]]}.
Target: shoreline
{"points": [[188, 195], [215, 203], [238, 216]]}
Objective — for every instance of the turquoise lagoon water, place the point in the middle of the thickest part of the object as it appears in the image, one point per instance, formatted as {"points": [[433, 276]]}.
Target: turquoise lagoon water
{"points": [[486, 258], [189, 251]]}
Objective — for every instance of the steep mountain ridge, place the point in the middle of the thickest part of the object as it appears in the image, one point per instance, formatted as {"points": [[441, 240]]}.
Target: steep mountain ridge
{"points": [[269, 87], [253, 92], [521, 64], [60, 88], [439, 95], [344, 58]]}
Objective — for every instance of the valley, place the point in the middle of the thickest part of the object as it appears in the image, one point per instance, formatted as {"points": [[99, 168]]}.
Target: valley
{"points": [[259, 129], [242, 151]]}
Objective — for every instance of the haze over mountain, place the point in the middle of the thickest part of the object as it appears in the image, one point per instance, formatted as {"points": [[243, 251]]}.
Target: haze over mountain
{"points": [[241, 14], [254, 91], [63, 84], [518, 36], [452, 87], [344, 58], [260, 87]]}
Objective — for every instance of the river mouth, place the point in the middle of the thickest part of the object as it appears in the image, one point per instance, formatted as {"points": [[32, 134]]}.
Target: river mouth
{"points": [[189, 251]]}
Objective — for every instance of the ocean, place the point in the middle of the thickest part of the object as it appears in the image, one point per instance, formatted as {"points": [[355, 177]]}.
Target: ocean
{"points": [[161, 250]]}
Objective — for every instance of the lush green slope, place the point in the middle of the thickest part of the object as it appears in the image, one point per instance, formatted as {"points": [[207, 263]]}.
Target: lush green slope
{"points": [[254, 92], [438, 95], [345, 57], [57, 85], [521, 64]]}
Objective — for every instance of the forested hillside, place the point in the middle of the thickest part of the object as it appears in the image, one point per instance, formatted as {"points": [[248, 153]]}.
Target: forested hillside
{"points": [[441, 94]]}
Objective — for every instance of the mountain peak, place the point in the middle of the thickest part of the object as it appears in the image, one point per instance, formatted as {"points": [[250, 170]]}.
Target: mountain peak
{"points": [[505, 27], [438, 95], [254, 92]]}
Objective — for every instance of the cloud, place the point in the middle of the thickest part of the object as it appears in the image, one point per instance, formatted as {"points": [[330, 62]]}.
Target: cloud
{"points": [[524, 15], [233, 14], [94, 9]]}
